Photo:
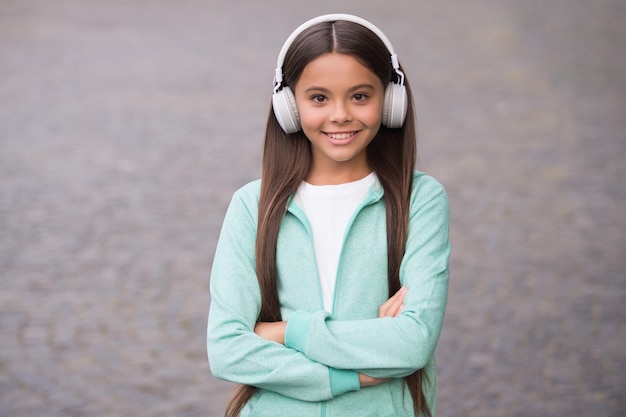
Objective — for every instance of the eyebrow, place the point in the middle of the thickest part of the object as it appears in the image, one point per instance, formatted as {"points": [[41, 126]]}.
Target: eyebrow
{"points": [[351, 89]]}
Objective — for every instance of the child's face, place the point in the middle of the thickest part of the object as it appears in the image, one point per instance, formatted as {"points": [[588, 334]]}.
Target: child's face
{"points": [[340, 104]]}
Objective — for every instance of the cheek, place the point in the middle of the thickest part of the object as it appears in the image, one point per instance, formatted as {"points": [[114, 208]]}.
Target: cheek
{"points": [[310, 116], [371, 115]]}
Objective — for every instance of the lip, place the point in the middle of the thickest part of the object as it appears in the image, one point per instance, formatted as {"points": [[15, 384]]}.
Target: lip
{"points": [[341, 138]]}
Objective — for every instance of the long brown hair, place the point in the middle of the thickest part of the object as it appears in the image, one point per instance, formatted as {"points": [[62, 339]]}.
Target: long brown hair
{"points": [[286, 162]]}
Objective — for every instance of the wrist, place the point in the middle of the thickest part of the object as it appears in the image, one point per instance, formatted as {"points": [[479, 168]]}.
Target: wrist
{"points": [[280, 332], [297, 330], [273, 331]]}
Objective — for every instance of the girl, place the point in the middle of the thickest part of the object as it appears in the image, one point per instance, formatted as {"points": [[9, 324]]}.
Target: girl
{"points": [[329, 283]]}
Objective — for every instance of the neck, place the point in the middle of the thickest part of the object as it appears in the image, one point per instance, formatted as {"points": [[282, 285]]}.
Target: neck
{"points": [[336, 176]]}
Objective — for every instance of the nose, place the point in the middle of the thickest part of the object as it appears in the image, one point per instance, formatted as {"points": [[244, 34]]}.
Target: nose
{"points": [[340, 113]]}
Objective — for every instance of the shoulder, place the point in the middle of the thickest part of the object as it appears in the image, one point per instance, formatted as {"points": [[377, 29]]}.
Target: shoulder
{"points": [[246, 198], [427, 191], [249, 191], [425, 184]]}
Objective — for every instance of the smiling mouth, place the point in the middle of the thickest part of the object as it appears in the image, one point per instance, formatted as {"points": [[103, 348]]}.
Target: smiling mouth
{"points": [[340, 135]]}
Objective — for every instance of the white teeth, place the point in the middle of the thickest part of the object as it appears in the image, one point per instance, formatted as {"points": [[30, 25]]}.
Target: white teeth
{"points": [[340, 135]]}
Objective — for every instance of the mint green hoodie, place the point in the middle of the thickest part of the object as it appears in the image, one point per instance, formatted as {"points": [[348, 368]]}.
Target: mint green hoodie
{"points": [[316, 372]]}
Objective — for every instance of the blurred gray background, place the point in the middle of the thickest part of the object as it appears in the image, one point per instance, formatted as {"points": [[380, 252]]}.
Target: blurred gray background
{"points": [[125, 127]]}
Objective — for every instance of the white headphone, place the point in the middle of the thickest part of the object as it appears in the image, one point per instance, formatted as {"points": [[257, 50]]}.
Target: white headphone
{"points": [[284, 103]]}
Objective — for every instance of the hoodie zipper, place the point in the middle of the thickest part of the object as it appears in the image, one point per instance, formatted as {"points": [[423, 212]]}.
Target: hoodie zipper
{"points": [[370, 199], [297, 211]]}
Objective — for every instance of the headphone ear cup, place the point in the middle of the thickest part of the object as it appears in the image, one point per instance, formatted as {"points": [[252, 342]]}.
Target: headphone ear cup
{"points": [[395, 106], [286, 111]]}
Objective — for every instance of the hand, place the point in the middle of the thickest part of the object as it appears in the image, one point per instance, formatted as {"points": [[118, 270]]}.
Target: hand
{"points": [[393, 306], [370, 381], [274, 331]]}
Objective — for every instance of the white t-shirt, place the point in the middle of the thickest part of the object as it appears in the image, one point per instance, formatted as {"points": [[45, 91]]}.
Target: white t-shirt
{"points": [[329, 208]]}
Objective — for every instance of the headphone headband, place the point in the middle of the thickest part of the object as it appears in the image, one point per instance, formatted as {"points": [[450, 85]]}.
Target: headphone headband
{"points": [[278, 79]]}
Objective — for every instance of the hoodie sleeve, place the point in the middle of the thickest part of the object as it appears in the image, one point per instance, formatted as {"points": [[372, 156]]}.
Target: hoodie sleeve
{"points": [[391, 347], [235, 352]]}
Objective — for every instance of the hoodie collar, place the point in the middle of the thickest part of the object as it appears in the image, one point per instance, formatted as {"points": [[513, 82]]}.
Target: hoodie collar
{"points": [[374, 194]]}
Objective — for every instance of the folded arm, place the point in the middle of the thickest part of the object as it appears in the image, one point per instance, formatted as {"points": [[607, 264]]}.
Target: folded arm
{"points": [[235, 352], [390, 347], [275, 331]]}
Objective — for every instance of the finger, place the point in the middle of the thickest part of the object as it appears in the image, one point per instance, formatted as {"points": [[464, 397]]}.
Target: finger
{"points": [[388, 308], [398, 301], [397, 311], [393, 309], [393, 305], [398, 297]]}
